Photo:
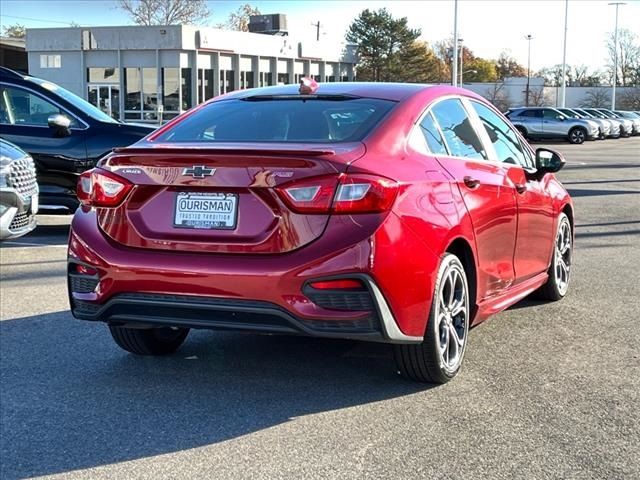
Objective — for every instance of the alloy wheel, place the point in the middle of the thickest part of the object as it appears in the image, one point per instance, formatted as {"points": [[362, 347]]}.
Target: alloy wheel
{"points": [[452, 316], [562, 267], [577, 136]]}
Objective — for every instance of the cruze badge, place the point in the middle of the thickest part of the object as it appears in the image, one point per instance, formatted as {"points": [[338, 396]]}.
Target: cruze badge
{"points": [[199, 171]]}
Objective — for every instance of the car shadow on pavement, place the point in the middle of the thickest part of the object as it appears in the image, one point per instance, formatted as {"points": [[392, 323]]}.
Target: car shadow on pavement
{"points": [[585, 192], [72, 400], [42, 235]]}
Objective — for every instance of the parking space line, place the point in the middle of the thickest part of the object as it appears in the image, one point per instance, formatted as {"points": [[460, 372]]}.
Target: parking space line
{"points": [[28, 244]]}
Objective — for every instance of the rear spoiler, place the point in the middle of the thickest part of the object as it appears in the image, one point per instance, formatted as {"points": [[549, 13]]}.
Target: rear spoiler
{"points": [[227, 150]]}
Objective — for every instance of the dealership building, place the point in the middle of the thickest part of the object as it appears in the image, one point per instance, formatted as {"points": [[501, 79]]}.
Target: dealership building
{"points": [[153, 73]]}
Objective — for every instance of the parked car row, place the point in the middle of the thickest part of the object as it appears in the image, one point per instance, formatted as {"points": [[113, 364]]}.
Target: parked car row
{"points": [[574, 124]]}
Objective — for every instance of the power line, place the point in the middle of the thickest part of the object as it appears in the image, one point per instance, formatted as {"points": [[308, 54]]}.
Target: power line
{"points": [[37, 19]]}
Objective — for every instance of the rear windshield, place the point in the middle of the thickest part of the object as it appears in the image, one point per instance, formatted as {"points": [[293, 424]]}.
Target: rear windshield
{"points": [[281, 119]]}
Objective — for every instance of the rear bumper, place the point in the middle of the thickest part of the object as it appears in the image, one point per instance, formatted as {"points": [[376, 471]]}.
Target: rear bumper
{"points": [[240, 292]]}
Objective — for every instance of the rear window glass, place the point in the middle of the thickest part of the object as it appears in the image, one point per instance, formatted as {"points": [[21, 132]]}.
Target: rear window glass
{"points": [[339, 119]]}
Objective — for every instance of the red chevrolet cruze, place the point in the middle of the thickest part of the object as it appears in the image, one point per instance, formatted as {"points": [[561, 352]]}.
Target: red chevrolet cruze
{"points": [[381, 212]]}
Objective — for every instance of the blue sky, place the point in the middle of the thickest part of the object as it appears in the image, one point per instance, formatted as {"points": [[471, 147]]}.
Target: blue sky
{"points": [[487, 26]]}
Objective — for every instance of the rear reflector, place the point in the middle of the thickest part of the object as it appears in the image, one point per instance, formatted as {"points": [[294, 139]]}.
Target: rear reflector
{"points": [[341, 284], [84, 270], [346, 194]]}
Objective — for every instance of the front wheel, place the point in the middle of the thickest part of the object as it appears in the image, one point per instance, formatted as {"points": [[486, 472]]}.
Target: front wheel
{"points": [[439, 357], [150, 341], [577, 135], [560, 270]]}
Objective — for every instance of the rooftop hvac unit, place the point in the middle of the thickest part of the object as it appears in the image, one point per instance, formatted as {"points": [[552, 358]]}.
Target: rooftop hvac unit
{"points": [[275, 24]]}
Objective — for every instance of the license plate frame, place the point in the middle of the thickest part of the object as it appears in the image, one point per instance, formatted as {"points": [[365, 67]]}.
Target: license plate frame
{"points": [[205, 223]]}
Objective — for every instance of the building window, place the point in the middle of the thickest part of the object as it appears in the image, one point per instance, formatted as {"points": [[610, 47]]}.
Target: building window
{"points": [[171, 92], [266, 79], [227, 81], [141, 94], [185, 78], [283, 78], [50, 61], [205, 84], [246, 79], [103, 75]]}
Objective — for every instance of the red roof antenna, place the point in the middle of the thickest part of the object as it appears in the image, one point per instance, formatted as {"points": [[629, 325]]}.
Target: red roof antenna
{"points": [[308, 86]]}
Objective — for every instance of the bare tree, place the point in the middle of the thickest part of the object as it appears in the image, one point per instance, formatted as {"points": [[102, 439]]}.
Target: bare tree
{"points": [[628, 56], [597, 98], [538, 97], [629, 99], [165, 12], [239, 20], [498, 96], [14, 31]]}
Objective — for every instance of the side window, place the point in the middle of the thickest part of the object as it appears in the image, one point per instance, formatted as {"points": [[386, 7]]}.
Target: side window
{"points": [[459, 135], [432, 135], [505, 140], [20, 107], [532, 113], [550, 114]]}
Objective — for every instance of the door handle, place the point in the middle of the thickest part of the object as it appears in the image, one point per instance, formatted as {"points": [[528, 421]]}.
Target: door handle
{"points": [[521, 187], [471, 182]]}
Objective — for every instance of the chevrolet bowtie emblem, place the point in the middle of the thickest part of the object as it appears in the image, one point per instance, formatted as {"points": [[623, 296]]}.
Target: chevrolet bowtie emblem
{"points": [[199, 171]]}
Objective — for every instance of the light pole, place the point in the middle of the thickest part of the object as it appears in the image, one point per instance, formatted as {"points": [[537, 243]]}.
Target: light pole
{"points": [[466, 71], [529, 38], [454, 62], [564, 56], [615, 57], [460, 41]]}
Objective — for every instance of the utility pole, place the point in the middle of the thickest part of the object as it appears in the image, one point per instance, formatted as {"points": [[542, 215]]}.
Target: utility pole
{"points": [[454, 62], [317, 25], [529, 38], [615, 57], [564, 56]]}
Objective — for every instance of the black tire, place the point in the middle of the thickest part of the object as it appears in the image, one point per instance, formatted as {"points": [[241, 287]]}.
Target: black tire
{"points": [[522, 130], [424, 362], [577, 135], [149, 341], [559, 273]]}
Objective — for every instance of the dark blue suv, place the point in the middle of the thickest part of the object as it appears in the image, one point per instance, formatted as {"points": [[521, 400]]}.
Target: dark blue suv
{"points": [[64, 134]]}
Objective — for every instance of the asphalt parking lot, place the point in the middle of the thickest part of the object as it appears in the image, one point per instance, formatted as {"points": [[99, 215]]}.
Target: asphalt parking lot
{"points": [[547, 390]]}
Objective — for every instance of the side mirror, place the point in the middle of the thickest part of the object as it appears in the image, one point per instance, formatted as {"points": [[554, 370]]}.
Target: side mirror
{"points": [[60, 123], [562, 118], [549, 161]]}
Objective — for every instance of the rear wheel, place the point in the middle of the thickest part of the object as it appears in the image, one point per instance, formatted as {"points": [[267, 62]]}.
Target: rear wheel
{"points": [[439, 357], [522, 130], [559, 272], [577, 135], [151, 341]]}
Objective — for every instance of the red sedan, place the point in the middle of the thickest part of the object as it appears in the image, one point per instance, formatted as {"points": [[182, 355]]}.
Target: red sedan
{"points": [[391, 213]]}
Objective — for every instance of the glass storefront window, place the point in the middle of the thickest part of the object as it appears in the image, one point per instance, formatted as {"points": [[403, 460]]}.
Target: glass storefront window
{"points": [[103, 75], [227, 81], [171, 90], [132, 87], [149, 90], [246, 79], [185, 77], [266, 79], [283, 78]]}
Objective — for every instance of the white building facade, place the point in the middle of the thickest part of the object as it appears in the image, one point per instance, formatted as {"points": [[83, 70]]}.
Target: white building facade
{"points": [[152, 74]]}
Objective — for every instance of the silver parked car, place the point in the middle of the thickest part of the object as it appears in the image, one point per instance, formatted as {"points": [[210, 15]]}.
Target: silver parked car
{"points": [[633, 117], [614, 125], [18, 191], [599, 113], [604, 126], [627, 125], [545, 122]]}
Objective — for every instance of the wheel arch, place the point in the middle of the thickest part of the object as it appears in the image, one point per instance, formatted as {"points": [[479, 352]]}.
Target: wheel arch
{"points": [[462, 249]]}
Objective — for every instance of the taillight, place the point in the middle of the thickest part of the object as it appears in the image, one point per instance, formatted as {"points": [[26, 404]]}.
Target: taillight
{"points": [[100, 188], [344, 194]]}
